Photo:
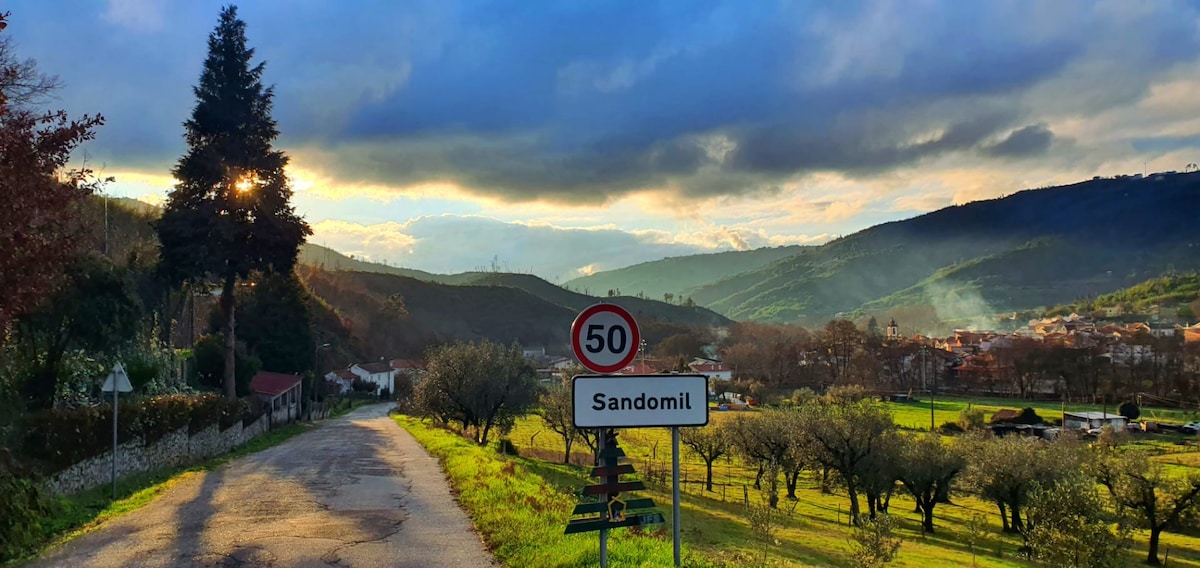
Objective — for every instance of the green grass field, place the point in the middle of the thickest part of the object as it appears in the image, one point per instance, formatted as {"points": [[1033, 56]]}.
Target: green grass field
{"points": [[916, 414], [813, 529]]}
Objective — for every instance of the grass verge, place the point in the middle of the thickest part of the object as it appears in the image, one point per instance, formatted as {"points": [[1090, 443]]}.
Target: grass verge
{"points": [[78, 514], [521, 514]]}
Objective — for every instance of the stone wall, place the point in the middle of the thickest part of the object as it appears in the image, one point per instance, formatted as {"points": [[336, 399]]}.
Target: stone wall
{"points": [[134, 457]]}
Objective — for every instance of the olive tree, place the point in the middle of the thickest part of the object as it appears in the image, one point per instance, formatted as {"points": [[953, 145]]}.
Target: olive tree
{"points": [[710, 443], [1140, 484], [928, 470], [846, 438], [1068, 524], [479, 385], [556, 409], [1004, 470]]}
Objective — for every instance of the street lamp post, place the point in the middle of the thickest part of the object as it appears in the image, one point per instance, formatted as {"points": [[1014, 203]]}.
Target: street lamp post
{"points": [[316, 377]]}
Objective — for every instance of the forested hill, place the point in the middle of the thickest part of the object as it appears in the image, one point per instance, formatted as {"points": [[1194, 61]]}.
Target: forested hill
{"points": [[676, 274], [1032, 249], [402, 315], [1179, 294]]}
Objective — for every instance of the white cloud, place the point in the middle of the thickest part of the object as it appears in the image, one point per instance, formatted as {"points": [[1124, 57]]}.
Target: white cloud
{"points": [[137, 15], [454, 243]]}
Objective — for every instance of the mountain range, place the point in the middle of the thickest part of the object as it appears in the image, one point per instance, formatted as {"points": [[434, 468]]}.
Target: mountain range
{"points": [[961, 264], [1028, 250]]}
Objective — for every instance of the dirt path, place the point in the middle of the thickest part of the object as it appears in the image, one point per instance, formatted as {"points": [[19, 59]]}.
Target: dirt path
{"points": [[358, 491]]}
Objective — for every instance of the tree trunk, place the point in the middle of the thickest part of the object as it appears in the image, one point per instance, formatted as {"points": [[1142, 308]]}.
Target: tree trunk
{"points": [[1016, 525], [825, 481], [484, 435], [1003, 516], [854, 509], [567, 442], [871, 501], [791, 480], [228, 302], [708, 474], [1152, 556], [928, 515], [758, 478]]}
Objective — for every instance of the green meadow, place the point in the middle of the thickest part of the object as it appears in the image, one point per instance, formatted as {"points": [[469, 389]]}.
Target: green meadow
{"points": [[809, 531]]}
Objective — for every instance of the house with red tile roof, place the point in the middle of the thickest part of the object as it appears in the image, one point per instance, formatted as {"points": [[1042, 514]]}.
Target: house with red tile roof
{"points": [[712, 369], [281, 393]]}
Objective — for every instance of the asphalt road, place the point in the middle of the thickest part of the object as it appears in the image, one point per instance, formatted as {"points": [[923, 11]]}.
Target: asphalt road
{"points": [[357, 491]]}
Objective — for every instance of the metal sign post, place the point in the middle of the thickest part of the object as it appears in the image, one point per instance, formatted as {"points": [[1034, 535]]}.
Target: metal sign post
{"points": [[116, 382], [605, 339], [675, 488], [602, 433]]}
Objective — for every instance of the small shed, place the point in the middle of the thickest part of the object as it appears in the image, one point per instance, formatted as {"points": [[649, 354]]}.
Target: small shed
{"points": [[1092, 420], [1006, 415], [281, 392]]}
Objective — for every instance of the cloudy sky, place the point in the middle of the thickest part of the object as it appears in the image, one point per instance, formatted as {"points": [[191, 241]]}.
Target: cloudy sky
{"points": [[568, 137]]}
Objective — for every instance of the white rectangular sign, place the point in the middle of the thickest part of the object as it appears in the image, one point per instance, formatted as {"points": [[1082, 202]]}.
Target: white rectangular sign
{"points": [[632, 401]]}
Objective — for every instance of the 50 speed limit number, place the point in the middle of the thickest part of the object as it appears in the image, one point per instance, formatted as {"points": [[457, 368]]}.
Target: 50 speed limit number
{"points": [[605, 338]]}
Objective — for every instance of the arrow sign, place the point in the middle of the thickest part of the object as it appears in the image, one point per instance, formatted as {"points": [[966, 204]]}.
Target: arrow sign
{"points": [[119, 378]]}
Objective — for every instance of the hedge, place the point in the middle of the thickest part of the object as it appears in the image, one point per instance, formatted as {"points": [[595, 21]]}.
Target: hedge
{"points": [[56, 439]]}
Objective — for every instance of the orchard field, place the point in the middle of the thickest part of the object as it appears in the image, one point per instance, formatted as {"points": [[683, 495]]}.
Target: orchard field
{"points": [[812, 530]]}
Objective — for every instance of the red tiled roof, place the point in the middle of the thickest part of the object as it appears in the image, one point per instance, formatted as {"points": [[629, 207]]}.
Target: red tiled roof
{"points": [[344, 374], [709, 368], [274, 384], [407, 364]]}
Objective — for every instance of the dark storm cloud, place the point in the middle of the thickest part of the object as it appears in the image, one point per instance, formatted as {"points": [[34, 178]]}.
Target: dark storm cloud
{"points": [[583, 102], [1031, 140]]}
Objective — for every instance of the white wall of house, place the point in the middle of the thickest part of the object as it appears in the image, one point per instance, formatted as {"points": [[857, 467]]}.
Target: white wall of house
{"points": [[380, 380]]}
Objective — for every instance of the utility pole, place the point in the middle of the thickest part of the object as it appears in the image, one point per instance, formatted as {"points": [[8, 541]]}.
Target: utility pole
{"points": [[316, 378], [932, 387]]}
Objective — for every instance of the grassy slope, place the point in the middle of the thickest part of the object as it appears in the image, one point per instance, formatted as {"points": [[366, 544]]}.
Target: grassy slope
{"points": [[812, 535]]}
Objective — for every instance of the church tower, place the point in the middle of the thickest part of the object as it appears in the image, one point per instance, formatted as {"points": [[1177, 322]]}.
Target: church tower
{"points": [[893, 330]]}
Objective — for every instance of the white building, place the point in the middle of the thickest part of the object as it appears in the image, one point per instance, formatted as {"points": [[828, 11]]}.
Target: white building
{"points": [[379, 374], [1091, 420]]}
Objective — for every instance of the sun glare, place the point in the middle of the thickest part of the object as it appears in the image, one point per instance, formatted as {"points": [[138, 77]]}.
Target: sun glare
{"points": [[246, 183]]}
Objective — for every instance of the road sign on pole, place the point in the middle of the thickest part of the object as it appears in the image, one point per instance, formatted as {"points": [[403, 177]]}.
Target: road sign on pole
{"points": [[605, 338], [116, 382], [637, 401]]}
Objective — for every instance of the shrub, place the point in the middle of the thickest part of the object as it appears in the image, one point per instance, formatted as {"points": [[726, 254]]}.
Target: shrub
{"points": [[951, 428], [22, 509], [873, 543], [205, 411], [253, 410], [56, 439], [162, 415], [970, 419], [232, 412], [1028, 416], [1129, 410]]}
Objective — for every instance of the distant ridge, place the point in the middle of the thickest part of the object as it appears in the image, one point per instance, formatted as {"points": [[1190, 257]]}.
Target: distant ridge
{"points": [[675, 275]]}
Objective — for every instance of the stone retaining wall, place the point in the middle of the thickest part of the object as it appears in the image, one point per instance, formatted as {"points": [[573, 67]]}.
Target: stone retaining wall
{"points": [[173, 450]]}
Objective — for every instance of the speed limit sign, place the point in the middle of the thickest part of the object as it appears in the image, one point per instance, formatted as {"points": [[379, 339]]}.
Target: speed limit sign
{"points": [[605, 338]]}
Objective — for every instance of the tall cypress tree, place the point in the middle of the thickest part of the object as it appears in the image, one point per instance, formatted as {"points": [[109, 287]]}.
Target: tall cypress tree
{"points": [[230, 212]]}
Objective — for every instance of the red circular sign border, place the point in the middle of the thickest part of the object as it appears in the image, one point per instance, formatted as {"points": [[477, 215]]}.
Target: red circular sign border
{"points": [[577, 332]]}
